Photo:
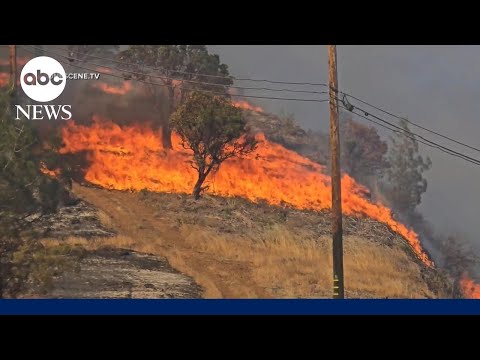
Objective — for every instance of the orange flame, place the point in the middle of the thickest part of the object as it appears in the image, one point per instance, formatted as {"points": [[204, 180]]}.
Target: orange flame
{"points": [[20, 61], [48, 172], [469, 288], [242, 104], [176, 82], [4, 79], [133, 158], [123, 89]]}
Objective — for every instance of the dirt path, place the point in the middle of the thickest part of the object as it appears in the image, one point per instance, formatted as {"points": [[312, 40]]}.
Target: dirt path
{"points": [[150, 233]]}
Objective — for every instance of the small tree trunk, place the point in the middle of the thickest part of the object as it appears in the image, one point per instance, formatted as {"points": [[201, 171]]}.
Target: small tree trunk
{"points": [[197, 189], [166, 129], [167, 135]]}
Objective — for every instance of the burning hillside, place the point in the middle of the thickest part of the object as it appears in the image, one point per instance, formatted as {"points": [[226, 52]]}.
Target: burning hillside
{"points": [[469, 288], [242, 104], [132, 158], [123, 89]]}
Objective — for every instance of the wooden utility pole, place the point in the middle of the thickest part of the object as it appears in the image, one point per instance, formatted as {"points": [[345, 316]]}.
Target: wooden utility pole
{"points": [[13, 67], [337, 232]]}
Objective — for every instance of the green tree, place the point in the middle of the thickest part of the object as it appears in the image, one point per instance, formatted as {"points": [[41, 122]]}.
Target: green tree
{"points": [[214, 130], [24, 262], [404, 182], [179, 65], [362, 151], [23, 187], [18, 166]]}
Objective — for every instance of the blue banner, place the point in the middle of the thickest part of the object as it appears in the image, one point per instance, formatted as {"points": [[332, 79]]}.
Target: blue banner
{"points": [[238, 307]]}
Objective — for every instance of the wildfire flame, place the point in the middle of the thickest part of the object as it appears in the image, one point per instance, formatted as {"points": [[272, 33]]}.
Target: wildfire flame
{"points": [[47, 171], [123, 89], [469, 288], [4, 79], [242, 104], [133, 158]]}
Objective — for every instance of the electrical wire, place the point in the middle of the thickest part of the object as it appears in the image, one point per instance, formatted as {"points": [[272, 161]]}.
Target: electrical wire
{"points": [[288, 90], [191, 73], [413, 136], [164, 77], [419, 136], [412, 123], [180, 87], [401, 130]]}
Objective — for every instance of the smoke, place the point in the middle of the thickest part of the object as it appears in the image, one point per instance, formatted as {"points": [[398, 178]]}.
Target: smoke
{"points": [[101, 97]]}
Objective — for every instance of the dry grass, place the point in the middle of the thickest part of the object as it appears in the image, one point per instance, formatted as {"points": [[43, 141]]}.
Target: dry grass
{"points": [[104, 218], [235, 249], [283, 264], [118, 241], [290, 266]]}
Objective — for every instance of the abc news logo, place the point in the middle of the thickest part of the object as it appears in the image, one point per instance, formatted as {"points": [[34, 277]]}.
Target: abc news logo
{"points": [[43, 79]]}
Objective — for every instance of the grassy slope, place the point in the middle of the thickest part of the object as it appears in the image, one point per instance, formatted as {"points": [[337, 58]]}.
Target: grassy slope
{"points": [[235, 249]]}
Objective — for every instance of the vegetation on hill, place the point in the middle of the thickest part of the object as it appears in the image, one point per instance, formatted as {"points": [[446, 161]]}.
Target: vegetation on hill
{"points": [[214, 130], [23, 189], [278, 250], [234, 248]]}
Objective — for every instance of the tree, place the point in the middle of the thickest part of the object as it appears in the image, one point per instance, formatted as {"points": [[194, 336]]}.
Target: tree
{"points": [[459, 257], [362, 151], [18, 166], [23, 189], [404, 182], [214, 130], [23, 186], [81, 53], [180, 68]]}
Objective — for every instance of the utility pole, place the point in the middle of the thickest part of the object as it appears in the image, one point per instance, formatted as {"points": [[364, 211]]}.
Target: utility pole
{"points": [[337, 232], [13, 68]]}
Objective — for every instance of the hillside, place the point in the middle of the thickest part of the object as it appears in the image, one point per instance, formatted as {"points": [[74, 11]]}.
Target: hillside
{"points": [[161, 243], [262, 229], [232, 248], [285, 131]]}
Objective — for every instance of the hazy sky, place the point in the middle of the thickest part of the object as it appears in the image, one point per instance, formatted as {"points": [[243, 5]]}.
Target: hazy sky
{"points": [[434, 86]]}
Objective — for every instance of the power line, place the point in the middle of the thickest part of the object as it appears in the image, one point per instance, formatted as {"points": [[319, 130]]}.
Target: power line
{"points": [[287, 90], [164, 77], [419, 136], [412, 123], [206, 75], [412, 136], [179, 87], [425, 141]]}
